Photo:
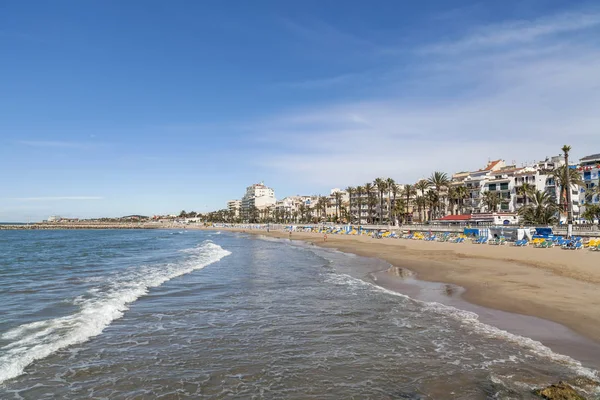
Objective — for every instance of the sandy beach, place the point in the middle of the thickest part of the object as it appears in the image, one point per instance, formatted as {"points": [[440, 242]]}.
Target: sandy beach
{"points": [[558, 285]]}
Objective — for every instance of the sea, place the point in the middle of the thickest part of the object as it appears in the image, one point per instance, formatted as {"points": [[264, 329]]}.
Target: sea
{"points": [[188, 314]]}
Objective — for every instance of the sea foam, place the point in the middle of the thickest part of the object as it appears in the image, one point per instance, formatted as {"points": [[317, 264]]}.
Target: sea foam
{"points": [[37, 340]]}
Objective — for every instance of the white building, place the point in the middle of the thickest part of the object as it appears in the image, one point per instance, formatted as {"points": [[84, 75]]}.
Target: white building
{"points": [[334, 209], [234, 207], [507, 181], [257, 196], [589, 168]]}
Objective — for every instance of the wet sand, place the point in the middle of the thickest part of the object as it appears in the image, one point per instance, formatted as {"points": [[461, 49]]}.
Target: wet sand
{"points": [[558, 285]]}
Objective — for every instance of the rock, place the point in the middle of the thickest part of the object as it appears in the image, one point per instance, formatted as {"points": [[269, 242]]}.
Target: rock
{"points": [[582, 381], [560, 391]]}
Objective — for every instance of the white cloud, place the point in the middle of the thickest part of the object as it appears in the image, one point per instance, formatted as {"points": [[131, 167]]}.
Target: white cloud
{"points": [[519, 103], [520, 32]]}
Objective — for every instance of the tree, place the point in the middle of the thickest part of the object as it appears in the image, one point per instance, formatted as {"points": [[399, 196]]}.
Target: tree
{"points": [[491, 200], [370, 202], [321, 207], [422, 186], [381, 187], [408, 192], [590, 193], [542, 210], [350, 190], [182, 214], [566, 149], [394, 192], [439, 180], [452, 199], [563, 175], [461, 193], [399, 209], [526, 190], [592, 212], [359, 202], [338, 204], [421, 203], [432, 201], [392, 189]]}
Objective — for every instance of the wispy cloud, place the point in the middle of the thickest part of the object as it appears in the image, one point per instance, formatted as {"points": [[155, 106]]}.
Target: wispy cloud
{"points": [[59, 198], [520, 102], [519, 32], [56, 144]]}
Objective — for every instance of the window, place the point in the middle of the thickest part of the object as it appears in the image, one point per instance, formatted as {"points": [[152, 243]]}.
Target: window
{"points": [[504, 186], [492, 186]]}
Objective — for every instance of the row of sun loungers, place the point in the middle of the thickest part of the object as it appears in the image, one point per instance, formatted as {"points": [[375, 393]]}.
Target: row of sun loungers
{"points": [[575, 243]]}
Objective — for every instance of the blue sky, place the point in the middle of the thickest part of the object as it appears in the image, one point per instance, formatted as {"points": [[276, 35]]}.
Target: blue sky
{"points": [[112, 108]]}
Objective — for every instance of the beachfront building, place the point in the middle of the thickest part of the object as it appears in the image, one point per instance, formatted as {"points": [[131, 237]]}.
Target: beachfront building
{"points": [[589, 168], [508, 183], [295, 209], [365, 206], [257, 199], [337, 205], [234, 207], [475, 182]]}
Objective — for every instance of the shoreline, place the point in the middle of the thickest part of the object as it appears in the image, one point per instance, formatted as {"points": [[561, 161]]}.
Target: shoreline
{"points": [[560, 286]]}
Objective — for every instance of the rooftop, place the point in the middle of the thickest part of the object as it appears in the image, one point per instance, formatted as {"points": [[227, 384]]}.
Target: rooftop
{"points": [[459, 217], [591, 158], [491, 165]]}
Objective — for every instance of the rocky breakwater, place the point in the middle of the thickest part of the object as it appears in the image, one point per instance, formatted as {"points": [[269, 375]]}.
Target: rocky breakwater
{"points": [[86, 225]]}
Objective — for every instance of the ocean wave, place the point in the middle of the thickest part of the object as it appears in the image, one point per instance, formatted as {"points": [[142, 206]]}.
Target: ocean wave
{"points": [[37, 340], [471, 321]]}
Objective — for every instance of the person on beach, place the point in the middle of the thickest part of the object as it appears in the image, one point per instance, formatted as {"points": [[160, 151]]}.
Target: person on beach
{"points": [[290, 233], [325, 237]]}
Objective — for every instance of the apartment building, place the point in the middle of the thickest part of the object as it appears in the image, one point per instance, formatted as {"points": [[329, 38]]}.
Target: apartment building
{"points": [[589, 168], [234, 206], [258, 197]]}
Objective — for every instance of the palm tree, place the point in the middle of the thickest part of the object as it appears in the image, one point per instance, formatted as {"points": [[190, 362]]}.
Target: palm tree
{"points": [[302, 211], [541, 211], [462, 193], [408, 192], [566, 149], [452, 199], [391, 188], [562, 175], [526, 190], [394, 191], [590, 193], [439, 180], [432, 201], [592, 212], [421, 203], [381, 187], [350, 190], [321, 207], [422, 185], [370, 203], [399, 208], [491, 200], [338, 205], [359, 202]]}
